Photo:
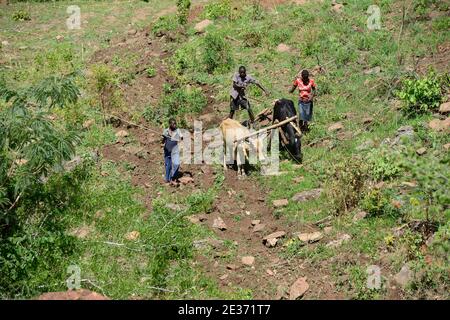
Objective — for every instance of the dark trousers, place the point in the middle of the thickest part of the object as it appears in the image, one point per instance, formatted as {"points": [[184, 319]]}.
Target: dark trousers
{"points": [[240, 103]]}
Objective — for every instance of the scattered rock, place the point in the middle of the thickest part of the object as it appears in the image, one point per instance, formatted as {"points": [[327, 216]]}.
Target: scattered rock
{"points": [[327, 230], [186, 180], [175, 207], [59, 38], [404, 277], [255, 222], [280, 203], [447, 146], [379, 185], [397, 204], [88, 123], [121, 134], [193, 219], [359, 216], [223, 277], [132, 32], [231, 267], [259, 227], [298, 288], [367, 120], [336, 127], [307, 195], [337, 7], [272, 239], [81, 232], [444, 108], [421, 151], [270, 272], [310, 237], [248, 260], [439, 125], [215, 243], [133, 235], [368, 144], [283, 47], [202, 25], [374, 70], [339, 241], [5, 43], [219, 224], [200, 244], [410, 184], [81, 294]]}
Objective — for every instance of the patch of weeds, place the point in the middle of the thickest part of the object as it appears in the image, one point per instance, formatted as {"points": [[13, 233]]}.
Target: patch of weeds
{"points": [[218, 9], [346, 185], [21, 15], [378, 203], [165, 24], [217, 54], [150, 72], [420, 95], [358, 277], [384, 164]]}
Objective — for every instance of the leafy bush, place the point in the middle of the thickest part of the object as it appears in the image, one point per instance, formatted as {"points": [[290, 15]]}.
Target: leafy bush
{"points": [[420, 95], [32, 151], [384, 164], [378, 203], [176, 103], [218, 9], [164, 25], [252, 38], [346, 184], [21, 15], [217, 55], [105, 82], [185, 58], [183, 7]]}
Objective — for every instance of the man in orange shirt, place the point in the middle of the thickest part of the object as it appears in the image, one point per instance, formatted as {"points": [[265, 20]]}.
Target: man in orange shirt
{"points": [[307, 91]]}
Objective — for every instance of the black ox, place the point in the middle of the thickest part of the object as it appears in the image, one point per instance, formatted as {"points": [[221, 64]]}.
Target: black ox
{"points": [[282, 110]]}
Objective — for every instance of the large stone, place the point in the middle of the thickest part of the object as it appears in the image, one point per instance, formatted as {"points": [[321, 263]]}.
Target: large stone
{"points": [[339, 241], [283, 47], [186, 180], [248, 260], [421, 151], [202, 25], [133, 235], [219, 224], [439, 125], [444, 108], [272, 239], [121, 134], [298, 288], [310, 237], [336, 127], [259, 227], [307, 195], [280, 203]]}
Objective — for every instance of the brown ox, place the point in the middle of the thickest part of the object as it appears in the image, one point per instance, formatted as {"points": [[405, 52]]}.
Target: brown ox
{"points": [[236, 146]]}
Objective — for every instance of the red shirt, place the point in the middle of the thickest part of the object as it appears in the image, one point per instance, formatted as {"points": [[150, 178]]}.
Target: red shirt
{"points": [[305, 91]]}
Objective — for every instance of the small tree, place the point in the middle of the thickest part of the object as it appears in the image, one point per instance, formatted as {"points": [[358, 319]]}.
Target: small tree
{"points": [[31, 145]]}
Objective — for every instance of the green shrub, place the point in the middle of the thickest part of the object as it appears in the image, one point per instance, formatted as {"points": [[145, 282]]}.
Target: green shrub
{"points": [[218, 9], [378, 203], [21, 15], [183, 7], [252, 38], [384, 164], [217, 55], [441, 23], [420, 95], [176, 103], [164, 25], [346, 184], [185, 58]]}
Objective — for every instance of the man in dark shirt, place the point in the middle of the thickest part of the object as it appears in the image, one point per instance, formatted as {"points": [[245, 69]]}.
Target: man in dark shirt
{"points": [[237, 95]]}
